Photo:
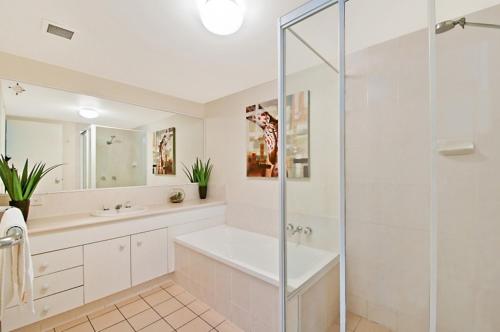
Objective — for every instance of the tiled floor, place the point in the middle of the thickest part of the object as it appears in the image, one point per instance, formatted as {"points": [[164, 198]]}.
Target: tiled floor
{"points": [[163, 309], [357, 323]]}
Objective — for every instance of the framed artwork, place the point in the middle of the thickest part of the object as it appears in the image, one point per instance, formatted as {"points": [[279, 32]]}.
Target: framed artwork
{"points": [[164, 152], [263, 137]]}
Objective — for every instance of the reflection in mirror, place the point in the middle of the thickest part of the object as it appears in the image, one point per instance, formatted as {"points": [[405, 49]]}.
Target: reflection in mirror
{"points": [[102, 143]]}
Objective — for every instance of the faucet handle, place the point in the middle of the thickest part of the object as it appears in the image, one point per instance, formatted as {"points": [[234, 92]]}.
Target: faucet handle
{"points": [[128, 204], [308, 231], [290, 227]]}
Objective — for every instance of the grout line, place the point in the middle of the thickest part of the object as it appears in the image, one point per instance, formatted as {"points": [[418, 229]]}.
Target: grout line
{"points": [[156, 321]]}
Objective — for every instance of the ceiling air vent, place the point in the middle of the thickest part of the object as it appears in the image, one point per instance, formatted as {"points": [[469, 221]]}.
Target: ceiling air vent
{"points": [[57, 30], [61, 32]]}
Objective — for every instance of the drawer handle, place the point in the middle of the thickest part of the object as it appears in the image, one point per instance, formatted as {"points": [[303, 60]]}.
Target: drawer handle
{"points": [[45, 288], [121, 247], [45, 310], [139, 243], [44, 266]]}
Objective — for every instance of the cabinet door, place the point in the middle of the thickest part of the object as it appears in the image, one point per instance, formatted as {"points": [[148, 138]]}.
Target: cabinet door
{"points": [[149, 255], [106, 267]]}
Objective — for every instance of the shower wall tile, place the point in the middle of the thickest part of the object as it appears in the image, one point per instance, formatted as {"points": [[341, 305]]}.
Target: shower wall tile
{"points": [[388, 182]]}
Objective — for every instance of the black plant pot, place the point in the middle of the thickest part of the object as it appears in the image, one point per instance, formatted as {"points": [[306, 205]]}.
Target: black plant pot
{"points": [[24, 206], [202, 190]]}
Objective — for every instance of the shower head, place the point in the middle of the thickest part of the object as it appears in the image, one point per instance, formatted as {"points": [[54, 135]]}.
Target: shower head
{"points": [[448, 25], [110, 141]]}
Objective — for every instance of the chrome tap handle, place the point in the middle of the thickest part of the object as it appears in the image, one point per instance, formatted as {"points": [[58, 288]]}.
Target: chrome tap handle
{"points": [[298, 229], [128, 204], [308, 231], [290, 227]]}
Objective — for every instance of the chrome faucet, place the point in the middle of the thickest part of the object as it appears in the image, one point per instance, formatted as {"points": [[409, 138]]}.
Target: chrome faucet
{"points": [[297, 229], [118, 207]]}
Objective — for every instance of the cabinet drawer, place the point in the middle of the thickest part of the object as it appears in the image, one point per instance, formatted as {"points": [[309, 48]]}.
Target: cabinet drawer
{"points": [[57, 282], [45, 307], [54, 261]]}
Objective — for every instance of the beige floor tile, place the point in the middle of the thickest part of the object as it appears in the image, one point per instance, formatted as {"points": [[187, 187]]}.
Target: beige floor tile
{"points": [[159, 326], [369, 326], [120, 327], [167, 307], [167, 284], [352, 321], [175, 290], [213, 318], [151, 291], [75, 322], [196, 325], [185, 298], [198, 307], [180, 317], [228, 327], [128, 301], [101, 312], [157, 297], [134, 308], [143, 319], [85, 327], [101, 322]]}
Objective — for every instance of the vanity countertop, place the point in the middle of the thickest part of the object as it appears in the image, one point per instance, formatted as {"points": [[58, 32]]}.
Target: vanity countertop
{"points": [[58, 223]]}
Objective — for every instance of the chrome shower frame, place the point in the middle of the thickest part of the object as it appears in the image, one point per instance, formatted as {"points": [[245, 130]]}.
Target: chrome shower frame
{"points": [[305, 11]]}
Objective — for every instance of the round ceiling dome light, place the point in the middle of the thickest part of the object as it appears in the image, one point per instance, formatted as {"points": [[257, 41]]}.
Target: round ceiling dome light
{"points": [[222, 17], [88, 113]]}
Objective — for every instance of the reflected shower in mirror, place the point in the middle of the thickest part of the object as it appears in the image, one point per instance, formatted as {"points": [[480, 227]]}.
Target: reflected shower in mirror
{"points": [[101, 143]]}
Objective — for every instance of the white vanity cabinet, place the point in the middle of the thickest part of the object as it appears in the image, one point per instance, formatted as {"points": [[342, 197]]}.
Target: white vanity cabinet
{"points": [[106, 267], [77, 265], [149, 255]]}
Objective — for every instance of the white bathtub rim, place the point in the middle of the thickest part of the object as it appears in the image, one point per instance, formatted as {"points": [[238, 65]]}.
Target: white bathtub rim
{"points": [[294, 285]]}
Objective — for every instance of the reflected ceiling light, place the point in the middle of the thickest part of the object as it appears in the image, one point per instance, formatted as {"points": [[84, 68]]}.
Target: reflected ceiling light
{"points": [[222, 17], [88, 113]]}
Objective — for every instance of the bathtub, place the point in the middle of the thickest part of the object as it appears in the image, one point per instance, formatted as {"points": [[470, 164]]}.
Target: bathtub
{"points": [[258, 255]]}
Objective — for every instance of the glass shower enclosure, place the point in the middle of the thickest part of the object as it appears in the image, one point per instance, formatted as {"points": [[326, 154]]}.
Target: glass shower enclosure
{"points": [[311, 168], [389, 158]]}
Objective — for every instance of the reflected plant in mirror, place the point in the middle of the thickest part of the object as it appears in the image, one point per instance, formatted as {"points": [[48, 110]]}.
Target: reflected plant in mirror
{"points": [[20, 188]]}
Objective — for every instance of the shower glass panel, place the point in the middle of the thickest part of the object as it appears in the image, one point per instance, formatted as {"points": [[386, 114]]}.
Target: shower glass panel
{"points": [[311, 134], [467, 160], [387, 166]]}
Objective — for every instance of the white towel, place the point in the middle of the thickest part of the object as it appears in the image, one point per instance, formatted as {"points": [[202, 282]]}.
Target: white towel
{"points": [[16, 268]]}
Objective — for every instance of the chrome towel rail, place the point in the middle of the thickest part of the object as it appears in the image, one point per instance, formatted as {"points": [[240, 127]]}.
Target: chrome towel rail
{"points": [[14, 236]]}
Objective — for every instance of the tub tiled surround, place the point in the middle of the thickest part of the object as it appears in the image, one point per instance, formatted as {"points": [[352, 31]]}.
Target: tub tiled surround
{"points": [[84, 201], [388, 183], [250, 303], [163, 308]]}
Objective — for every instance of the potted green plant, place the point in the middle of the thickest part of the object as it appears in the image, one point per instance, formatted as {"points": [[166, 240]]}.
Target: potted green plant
{"points": [[200, 173], [20, 188]]}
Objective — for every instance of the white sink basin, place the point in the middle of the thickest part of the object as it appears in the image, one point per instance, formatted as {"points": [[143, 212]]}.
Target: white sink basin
{"points": [[121, 212]]}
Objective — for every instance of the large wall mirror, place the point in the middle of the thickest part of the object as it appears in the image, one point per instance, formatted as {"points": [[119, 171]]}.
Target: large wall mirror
{"points": [[101, 143]]}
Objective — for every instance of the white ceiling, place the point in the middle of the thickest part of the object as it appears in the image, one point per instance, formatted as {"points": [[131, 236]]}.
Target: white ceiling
{"points": [[161, 45], [50, 104]]}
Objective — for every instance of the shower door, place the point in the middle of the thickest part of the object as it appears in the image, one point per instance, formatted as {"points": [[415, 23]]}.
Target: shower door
{"points": [[311, 167]]}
